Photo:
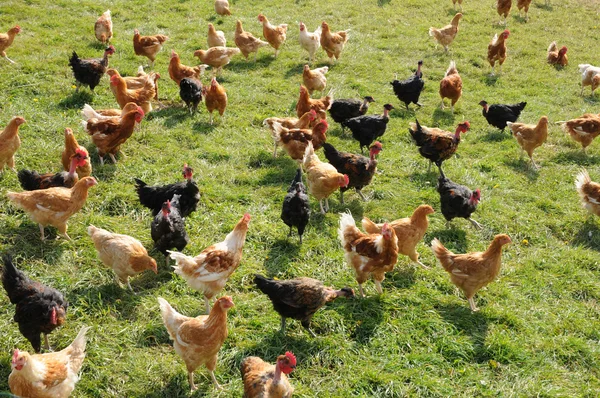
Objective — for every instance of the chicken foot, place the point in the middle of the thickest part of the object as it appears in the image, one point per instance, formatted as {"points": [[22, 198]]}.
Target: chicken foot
{"points": [[472, 305], [378, 287], [362, 293], [46, 343], [8, 59], [207, 304], [361, 195], [42, 232], [475, 223], [191, 380], [214, 379], [282, 330]]}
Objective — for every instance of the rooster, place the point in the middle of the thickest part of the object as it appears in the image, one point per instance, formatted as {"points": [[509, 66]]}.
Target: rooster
{"points": [[445, 36], [323, 178], [333, 43], [103, 27], [296, 207], [410, 89], [503, 9], [435, 144], [310, 41], [263, 380], [6, 40], [88, 72], [275, 35]]}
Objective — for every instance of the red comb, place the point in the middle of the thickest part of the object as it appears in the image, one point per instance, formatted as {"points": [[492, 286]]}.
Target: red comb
{"points": [[15, 355], [290, 355]]}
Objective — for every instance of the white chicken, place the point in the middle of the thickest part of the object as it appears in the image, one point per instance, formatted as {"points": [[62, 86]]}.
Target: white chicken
{"points": [[310, 41]]}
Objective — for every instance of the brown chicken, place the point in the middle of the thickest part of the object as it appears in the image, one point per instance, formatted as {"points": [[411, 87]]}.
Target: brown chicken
{"points": [[472, 271], [583, 129], [222, 7], [246, 42], [333, 43], [451, 86], [148, 46], [215, 98], [305, 104], [410, 231], [197, 340], [104, 114], [53, 206], [459, 4], [530, 136], [217, 57], [556, 56], [435, 144], [589, 192], [503, 9], [262, 379], [314, 80], [590, 76], [135, 82], [295, 141], [178, 71], [10, 142], [109, 134], [524, 5], [6, 40], [368, 254], [125, 255], [51, 375], [445, 36], [210, 270], [141, 96], [323, 178], [215, 38], [275, 35], [71, 147], [497, 50], [290, 123], [103, 27]]}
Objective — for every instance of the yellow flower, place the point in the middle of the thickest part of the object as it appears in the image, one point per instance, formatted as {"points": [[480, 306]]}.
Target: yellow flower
{"points": [[525, 242], [73, 86], [35, 100], [496, 186]]}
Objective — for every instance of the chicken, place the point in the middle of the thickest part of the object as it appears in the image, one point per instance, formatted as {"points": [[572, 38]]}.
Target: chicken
{"points": [[168, 228], [367, 128], [39, 309], [497, 50], [108, 135], [105, 114], [589, 192], [409, 231], [153, 197], [451, 86], [197, 340], [530, 136], [215, 38], [583, 129], [141, 96], [209, 271], [88, 72], [246, 42], [503, 9], [265, 380], [6, 40], [217, 57], [215, 98], [344, 109], [103, 27], [274, 35], [299, 298], [125, 255], [222, 7], [51, 375], [333, 43], [445, 36], [590, 76], [295, 141], [148, 46], [10, 142], [71, 147], [459, 4], [368, 254], [31, 180], [524, 5], [498, 115], [557, 57], [457, 200], [135, 84], [190, 91], [295, 211], [310, 41], [409, 90], [472, 271], [53, 206], [435, 144], [359, 169], [291, 123], [314, 80], [305, 104], [178, 71], [323, 178]]}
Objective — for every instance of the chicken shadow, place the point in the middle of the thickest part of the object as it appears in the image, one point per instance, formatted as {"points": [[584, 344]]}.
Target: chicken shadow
{"points": [[363, 315], [544, 6], [203, 126], [281, 254], [27, 241], [577, 157], [588, 235], [592, 99], [295, 71], [281, 169], [493, 136], [382, 3], [489, 79], [456, 235], [5, 370], [104, 172], [442, 117], [424, 179], [172, 115], [77, 99], [523, 165], [123, 301], [403, 276], [241, 65], [401, 112], [177, 387]]}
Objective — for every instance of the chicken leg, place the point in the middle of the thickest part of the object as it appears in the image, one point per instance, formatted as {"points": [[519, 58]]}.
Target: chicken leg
{"points": [[214, 379], [475, 223], [362, 293], [361, 195], [46, 344], [191, 380], [207, 305], [42, 232], [8, 59], [421, 264], [112, 157], [282, 330], [378, 287], [472, 305]]}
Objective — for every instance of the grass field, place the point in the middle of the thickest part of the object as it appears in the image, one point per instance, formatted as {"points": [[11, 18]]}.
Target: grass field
{"points": [[538, 330]]}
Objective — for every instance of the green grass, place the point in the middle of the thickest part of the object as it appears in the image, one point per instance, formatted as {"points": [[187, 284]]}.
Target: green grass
{"points": [[538, 330]]}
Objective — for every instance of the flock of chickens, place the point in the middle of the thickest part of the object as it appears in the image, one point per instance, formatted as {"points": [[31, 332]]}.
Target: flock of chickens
{"points": [[50, 199]]}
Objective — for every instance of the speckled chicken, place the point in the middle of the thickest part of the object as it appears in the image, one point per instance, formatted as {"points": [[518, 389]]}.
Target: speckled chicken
{"points": [[262, 380]]}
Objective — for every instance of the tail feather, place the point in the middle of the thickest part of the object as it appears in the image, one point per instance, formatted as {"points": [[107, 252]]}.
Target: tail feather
{"points": [[88, 112], [370, 227], [346, 221], [276, 129], [308, 154], [442, 254], [80, 342], [552, 47], [171, 318], [182, 263], [451, 69], [432, 31], [583, 178], [139, 183], [29, 179]]}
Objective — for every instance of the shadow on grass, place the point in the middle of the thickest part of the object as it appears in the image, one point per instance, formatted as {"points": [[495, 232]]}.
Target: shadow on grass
{"points": [[592, 99], [544, 6], [576, 157], [280, 170], [493, 136], [76, 100], [382, 3], [588, 235], [490, 80], [519, 18], [178, 386], [294, 71], [424, 179], [442, 117], [402, 112], [203, 126], [240, 64], [403, 276], [28, 243], [523, 165], [173, 114], [363, 314], [457, 236], [281, 254], [120, 298]]}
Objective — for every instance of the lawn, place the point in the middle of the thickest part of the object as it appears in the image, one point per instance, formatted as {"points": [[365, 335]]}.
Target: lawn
{"points": [[538, 330]]}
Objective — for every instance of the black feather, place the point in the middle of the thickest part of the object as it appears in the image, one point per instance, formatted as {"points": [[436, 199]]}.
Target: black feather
{"points": [[497, 114], [296, 207], [190, 91], [169, 232], [454, 199], [153, 197]]}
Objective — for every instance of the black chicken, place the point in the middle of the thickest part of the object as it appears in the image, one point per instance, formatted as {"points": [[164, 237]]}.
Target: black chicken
{"points": [[296, 208], [359, 169], [367, 128], [190, 91], [31, 180], [153, 197], [88, 72], [39, 308], [168, 228], [457, 200], [344, 109], [298, 298], [410, 89], [497, 114]]}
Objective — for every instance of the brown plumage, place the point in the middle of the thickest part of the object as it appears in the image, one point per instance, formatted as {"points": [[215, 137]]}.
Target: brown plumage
{"points": [[295, 141], [451, 86], [217, 57], [333, 42], [589, 192], [134, 83], [274, 35], [222, 7], [445, 36], [305, 104], [148, 46], [472, 271], [323, 178], [215, 38], [436, 144], [530, 136], [141, 96], [556, 56], [459, 4], [503, 8], [178, 71], [215, 98], [497, 50], [314, 80], [6, 40], [524, 5], [103, 27], [246, 42], [263, 380], [70, 150], [10, 142], [582, 129]]}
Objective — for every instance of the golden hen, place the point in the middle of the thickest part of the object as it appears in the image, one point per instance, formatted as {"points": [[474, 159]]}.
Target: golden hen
{"points": [[445, 36], [275, 35], [451, 86], [497, 50], [10, 142], [333, 42], [148, 46], [589, 192], [261, 379], [103, 28], [323, 178], [246, 42], [530, 136], [582, 129], [314, 80], [6, 40]]}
